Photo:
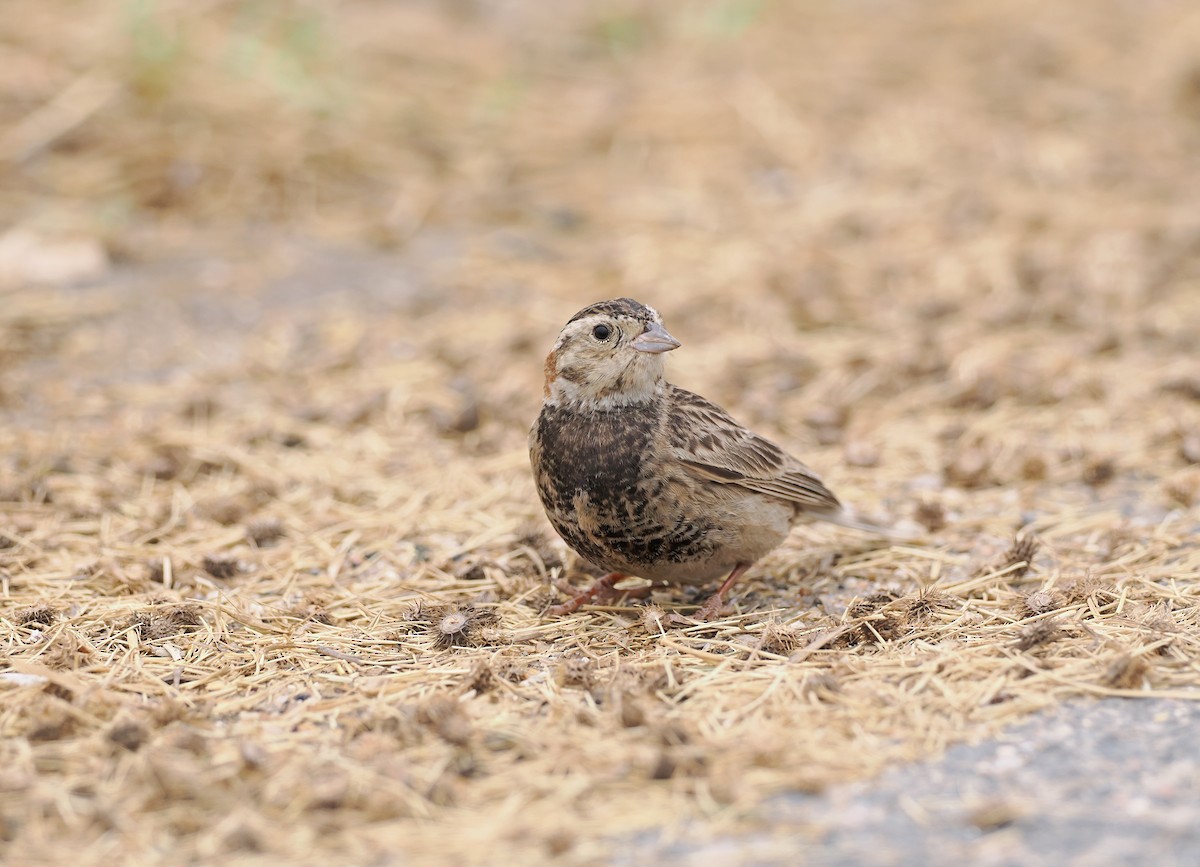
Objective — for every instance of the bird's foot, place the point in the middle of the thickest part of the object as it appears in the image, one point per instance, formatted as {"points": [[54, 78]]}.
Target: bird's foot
{"points": [[602, 590], [711, 610]]}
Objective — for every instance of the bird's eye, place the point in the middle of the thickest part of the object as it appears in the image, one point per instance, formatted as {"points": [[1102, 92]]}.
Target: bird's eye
{"points": [[601, 332]]}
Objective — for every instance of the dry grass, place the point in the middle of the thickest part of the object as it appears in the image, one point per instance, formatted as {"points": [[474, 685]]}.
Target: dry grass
{"points": [[271, 564]]}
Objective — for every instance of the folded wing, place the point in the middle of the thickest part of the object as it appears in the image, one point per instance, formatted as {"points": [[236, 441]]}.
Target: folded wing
{"points": [[711, 445]]}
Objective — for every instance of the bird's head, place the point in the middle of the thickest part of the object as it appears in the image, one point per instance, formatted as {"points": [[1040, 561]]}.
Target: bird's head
{"points": [[609, 354]]}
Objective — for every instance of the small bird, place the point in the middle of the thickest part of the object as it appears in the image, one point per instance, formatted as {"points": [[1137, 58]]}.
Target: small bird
{"points": [[643, 478]]}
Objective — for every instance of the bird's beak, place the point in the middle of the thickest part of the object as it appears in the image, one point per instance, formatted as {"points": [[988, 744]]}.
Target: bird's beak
{"points": [[654, 339]]}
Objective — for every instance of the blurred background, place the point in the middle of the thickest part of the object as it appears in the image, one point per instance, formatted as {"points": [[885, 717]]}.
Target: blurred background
{"points": [[850, 212], [839, 202]]}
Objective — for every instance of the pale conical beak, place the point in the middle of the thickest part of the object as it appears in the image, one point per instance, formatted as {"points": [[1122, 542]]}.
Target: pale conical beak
{"points": [[654, 339]]}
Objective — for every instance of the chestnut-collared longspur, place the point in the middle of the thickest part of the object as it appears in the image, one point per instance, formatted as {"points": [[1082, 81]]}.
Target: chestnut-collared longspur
{"points": [[643, 478]]}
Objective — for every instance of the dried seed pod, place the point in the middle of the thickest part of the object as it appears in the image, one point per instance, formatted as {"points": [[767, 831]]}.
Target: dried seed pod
{"points": [[654, 619], [459, 625], [779, 639], [39, 615], [221, 568], [1127, 672], [925, 604], [265, 532], [930, 514], [1041, 601], [1038, 633], [1098, 470], [1020, 555]]}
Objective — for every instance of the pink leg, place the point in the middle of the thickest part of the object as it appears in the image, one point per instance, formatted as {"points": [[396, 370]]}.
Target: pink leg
{"points": [[602, 588], [711, 609]]}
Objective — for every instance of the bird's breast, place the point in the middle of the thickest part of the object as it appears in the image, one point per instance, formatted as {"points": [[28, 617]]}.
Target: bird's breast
{"points": [[608, 491], [601, 453]]}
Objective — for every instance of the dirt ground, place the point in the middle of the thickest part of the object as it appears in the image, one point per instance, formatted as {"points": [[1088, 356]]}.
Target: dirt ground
{"points": [[276, 282]]}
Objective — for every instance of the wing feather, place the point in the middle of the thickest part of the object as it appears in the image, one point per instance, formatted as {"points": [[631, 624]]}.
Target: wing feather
{"points": [[711, 445]]}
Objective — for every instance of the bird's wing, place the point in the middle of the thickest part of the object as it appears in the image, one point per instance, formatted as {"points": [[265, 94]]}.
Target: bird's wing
{"points": [[711, 445]]}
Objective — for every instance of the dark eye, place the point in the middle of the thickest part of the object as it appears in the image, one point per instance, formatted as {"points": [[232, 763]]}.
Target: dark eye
{"points": [[601, 332]]}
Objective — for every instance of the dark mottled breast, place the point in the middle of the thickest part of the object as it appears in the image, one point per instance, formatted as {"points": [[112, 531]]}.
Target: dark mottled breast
{"points": [[603, 491]]}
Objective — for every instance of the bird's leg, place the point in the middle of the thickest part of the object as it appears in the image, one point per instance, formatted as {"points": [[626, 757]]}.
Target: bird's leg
{"points": [[711, 609], [602, 588], [563, 586]]}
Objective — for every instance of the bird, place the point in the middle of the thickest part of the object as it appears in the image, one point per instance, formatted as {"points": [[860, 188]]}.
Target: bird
{"points": [[643, 478]]}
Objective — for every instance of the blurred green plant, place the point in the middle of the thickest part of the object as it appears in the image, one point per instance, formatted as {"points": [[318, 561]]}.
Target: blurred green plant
{"points": [[628, 32], [285, 46], [157, 48], [623, 33], [731, 18]]}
